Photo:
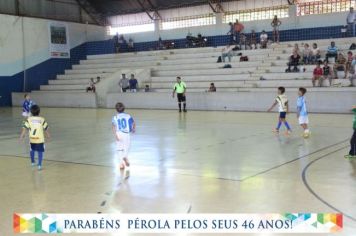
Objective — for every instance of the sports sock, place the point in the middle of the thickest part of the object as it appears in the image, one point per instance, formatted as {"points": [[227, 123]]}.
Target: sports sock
{"points": [[279, 125], [32, 155], [40, 157], [180, 106], [287, 125], [184, 106]]}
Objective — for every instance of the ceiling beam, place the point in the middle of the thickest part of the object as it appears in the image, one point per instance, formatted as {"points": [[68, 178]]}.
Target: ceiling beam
{"points": [[216, 6], [155, 14], [92, 12]]}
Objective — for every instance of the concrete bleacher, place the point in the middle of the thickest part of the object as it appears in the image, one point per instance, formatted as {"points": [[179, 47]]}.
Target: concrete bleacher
{"points": [[198, 68]]}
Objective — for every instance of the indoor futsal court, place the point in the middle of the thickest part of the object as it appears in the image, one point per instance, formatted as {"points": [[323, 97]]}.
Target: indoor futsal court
{"points": [[178, 117], [181, 163]]}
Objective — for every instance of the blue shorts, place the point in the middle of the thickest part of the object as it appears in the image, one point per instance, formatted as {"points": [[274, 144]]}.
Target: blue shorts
{"points": [[282, 115], [38, 147]]}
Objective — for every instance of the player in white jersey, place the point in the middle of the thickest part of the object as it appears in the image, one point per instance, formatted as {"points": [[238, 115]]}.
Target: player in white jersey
{"points": [[282, 102], [122, 125]]}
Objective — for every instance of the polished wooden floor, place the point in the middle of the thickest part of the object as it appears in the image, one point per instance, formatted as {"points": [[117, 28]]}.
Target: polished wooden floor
{"points": [[199, 162]]}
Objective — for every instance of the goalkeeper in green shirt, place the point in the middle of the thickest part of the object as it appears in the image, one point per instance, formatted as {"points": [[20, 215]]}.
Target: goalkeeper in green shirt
{"points": [[352, 153]]}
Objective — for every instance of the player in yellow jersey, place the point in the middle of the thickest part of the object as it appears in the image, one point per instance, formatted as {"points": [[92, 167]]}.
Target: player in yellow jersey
{"points": [[37, 127]]}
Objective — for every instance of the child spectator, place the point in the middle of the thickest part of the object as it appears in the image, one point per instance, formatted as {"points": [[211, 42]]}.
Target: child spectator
{"points": [[327, 73], [348, 62], [315, 53], [296, 49], [307, 54], [91, 86], [253, 40], [293, 61], [133, 84], [212, 88], [340, 65], [317, 74], [263, 39]]}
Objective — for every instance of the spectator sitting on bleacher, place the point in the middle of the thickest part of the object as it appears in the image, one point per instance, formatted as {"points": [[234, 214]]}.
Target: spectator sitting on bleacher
{"points": [[263, 39], [317, 75], [348, 62], [133, 84], [253, 40], [91, 86], [296, 49], [212, 88], [227, 52], [124, 83], [293, 61], [307, 54], [332, 51], [340, 65], [315, 53], [327, 73]]}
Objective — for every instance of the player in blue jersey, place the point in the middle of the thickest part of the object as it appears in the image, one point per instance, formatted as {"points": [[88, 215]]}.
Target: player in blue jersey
{"points": [[302, 112], [122, 125], [26, 106]]}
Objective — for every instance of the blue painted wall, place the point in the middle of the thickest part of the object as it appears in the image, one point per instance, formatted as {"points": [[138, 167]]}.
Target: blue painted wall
{"points": [[39, 74], [107, 46]]}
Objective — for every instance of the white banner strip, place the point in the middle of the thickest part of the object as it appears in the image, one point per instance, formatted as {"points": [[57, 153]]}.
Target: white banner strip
{"points": [[178, 223]]}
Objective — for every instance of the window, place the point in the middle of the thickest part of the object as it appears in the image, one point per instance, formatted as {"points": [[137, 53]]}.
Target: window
{"points": [[256, 14], [323, 6], [186, 22], [129, 29]]}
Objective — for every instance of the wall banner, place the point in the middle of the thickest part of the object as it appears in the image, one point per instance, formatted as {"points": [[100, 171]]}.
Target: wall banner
{"points": [[58, 40]]}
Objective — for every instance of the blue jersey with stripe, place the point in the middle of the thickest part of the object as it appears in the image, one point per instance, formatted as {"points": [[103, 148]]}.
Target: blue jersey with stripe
{"points": [[123, 122], [26, 106], [302, 106]]}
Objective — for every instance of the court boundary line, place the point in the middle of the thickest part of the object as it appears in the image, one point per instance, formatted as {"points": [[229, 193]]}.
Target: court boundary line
{"points": [[59, 161], [317, 196], [187, 174], [293, 160]]}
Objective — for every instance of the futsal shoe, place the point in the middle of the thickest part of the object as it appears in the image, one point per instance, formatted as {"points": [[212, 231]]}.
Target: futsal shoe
{"points": [[350, 157], [288, 133], [33, 164], [39, 168], [276, 131]]}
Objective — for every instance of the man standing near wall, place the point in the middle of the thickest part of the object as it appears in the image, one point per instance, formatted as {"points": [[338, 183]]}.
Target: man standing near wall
{"points": [[351, 22], [124, 83], [238, 28], [180, 88]]}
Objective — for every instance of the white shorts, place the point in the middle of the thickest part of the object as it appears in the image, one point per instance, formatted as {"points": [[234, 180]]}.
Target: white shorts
{"points": [[303, 120], [123, 145], [25, 114]]}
